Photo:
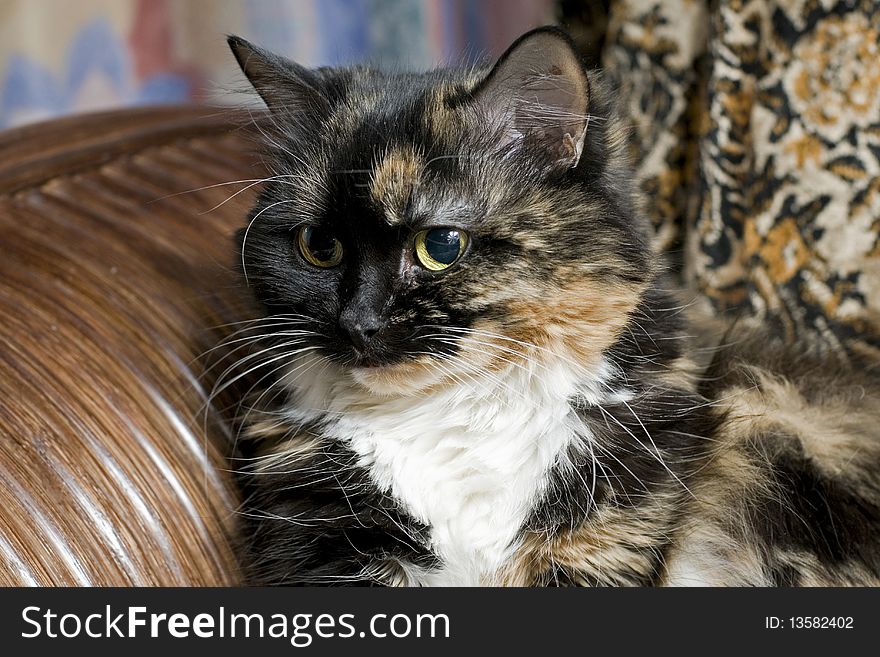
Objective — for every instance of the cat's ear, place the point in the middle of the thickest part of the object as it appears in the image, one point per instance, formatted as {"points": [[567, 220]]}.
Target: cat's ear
{"points": [[538, 92], [285, 86]]}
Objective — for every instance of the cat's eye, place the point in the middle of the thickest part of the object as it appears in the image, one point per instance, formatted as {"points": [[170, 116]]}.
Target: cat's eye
{"points": [[439, 248], [319, 247]]}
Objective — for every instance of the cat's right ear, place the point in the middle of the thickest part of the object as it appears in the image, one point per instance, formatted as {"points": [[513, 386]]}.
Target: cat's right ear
{"points": [[285, 86]]}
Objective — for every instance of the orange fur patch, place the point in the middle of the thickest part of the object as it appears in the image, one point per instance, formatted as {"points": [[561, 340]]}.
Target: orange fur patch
{"points": [[582, 319], [615, 547], [393, 180]]}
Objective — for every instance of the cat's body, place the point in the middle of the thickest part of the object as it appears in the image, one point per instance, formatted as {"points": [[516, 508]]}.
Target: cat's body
{"points": [[525, 408]]}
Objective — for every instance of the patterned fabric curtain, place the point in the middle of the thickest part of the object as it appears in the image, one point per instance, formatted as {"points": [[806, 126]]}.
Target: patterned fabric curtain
{"points": [[59, 56], [756, 131]]}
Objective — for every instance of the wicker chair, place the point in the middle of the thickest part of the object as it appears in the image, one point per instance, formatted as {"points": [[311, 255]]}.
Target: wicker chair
{"points": [[112, 284]]}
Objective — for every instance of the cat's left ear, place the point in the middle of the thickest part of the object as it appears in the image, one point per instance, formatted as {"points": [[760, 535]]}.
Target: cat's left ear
{"points": [[538, 91]]}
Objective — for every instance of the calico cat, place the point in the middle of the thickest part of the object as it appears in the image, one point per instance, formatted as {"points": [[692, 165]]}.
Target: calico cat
{"points": [[476, 372]]}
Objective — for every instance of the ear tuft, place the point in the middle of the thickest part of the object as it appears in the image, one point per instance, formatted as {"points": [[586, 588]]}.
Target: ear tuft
{"points": [[539, 92], [285, 86]]}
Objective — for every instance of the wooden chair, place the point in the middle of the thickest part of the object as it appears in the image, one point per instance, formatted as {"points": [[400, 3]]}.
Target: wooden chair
{"points": [[113, 283]]}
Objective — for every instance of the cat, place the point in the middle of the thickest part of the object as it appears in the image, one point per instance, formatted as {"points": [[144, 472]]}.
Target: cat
{"points": [[476, 372]]}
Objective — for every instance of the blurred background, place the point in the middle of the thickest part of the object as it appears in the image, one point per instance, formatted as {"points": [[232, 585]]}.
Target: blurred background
{"points": [[59, 57]]}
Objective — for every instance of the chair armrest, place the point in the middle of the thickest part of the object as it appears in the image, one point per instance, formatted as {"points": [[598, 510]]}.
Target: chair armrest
{"points": [[110, 290]]}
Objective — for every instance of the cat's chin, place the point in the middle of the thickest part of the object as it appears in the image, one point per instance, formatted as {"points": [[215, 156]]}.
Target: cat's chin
{"points": [[402, 379]]}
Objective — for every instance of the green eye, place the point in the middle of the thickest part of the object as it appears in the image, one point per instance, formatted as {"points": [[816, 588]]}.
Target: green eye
{"points": [[319, 247], [439, 248]]}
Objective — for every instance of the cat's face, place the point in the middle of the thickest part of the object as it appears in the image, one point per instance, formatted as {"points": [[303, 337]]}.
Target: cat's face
{"points": [[422, 229]]}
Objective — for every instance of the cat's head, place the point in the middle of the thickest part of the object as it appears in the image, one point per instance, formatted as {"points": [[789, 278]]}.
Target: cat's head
{"points": [[420, 229]]}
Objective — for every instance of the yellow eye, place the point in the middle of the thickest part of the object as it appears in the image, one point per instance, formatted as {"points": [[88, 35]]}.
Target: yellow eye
{"points": [[319, 247], [439, 248]]}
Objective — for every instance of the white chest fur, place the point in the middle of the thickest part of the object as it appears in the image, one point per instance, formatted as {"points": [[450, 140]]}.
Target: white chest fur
{"points": [[469, 461]]}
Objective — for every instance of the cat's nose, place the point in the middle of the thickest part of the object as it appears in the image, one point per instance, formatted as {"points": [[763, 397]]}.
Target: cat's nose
{"points": [[361, 327]]}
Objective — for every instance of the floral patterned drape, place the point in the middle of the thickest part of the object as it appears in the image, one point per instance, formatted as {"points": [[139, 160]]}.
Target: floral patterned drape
{"points": [[757, 141]]}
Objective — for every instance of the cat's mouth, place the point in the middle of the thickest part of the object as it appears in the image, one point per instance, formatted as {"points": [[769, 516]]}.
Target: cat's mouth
{"points": [[370, 361], [394, 378]]}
